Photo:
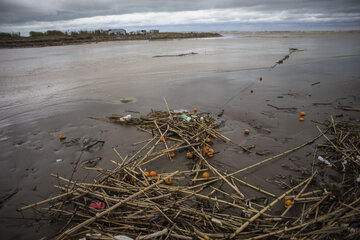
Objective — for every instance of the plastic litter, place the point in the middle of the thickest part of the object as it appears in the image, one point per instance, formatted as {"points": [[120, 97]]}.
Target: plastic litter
{"points": [[186, 118], [127, 118], [122, 237], [181, 111], [324, 160], [59, 160], [217, 221], [97, 205], [343, 164]]}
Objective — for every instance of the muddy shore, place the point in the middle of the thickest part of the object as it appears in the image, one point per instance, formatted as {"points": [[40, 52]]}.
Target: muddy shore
{"points": [[52, 91]]}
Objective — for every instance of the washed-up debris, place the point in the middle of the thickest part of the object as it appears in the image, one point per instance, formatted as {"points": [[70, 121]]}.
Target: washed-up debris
{"points": [[317, 104], [176, 55], [93, 143], [287, 56], [221, 113], [321, 159], [91, 162], [97, 205], [139, 204], [316, 83]]}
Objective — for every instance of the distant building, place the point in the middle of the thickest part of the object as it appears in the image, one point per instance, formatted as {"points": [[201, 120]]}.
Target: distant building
{"points": [[141, 32], [154, 31], [117, 31]]}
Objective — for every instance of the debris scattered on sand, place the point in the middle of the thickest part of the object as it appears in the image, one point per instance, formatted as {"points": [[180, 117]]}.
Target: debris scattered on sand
{"points": [[287, 56], [93, 143], [176, 55], [91, 162], [129, 201], [316, 104]]}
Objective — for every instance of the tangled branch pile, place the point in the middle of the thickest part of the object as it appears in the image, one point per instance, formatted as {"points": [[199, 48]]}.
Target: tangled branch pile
{"points": [[131, 202]]}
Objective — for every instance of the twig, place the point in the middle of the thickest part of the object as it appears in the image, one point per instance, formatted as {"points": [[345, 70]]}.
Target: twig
{"points": [[87, 222], [46, 201], [266, 208]]}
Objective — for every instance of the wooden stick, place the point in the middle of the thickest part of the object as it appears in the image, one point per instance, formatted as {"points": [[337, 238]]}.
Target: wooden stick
{"points": [[253, 187], [118, 154], [89, 221], [224, 137], [45, 201], [167, 107], [154, 235], [276, 156], [259, 163], [172, 149], [240, 229], [142, 148], [310, 209], [298, 195], [137, 143], [347, 156], [219, 201], [146, 155], [162, 137], [215, 170], [287, 229]]}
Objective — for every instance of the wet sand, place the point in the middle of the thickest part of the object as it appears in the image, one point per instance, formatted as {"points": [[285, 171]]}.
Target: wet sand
{"points": [[47, 92]]}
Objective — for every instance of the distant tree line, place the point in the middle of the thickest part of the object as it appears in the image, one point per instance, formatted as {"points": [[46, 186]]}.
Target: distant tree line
{"points": [[34, 34], [9, 35], [73, 34]]}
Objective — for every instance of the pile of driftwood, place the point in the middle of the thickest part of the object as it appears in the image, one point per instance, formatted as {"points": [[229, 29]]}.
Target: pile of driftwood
{"points": [[128, 201]]}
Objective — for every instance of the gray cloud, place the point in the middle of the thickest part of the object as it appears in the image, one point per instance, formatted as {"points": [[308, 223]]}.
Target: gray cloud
{"points": [[21, 14], [20, 11]]}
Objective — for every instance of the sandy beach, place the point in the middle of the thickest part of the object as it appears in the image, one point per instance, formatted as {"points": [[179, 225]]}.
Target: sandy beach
{"points": [[51, 91]]}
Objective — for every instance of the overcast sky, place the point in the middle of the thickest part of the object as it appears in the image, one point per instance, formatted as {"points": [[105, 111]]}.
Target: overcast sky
{"points": [[41, 15]]}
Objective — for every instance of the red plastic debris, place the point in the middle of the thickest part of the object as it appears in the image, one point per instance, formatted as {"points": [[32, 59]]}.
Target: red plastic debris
{"points": [[97, 205]]}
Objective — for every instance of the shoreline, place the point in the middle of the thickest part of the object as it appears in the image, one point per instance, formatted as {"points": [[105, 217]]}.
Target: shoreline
{"points": [[60, 88], [46, 41]]}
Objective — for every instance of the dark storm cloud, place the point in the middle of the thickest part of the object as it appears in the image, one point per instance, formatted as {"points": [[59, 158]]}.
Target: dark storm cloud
{"points": [[41, 15], [20, 11]]}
